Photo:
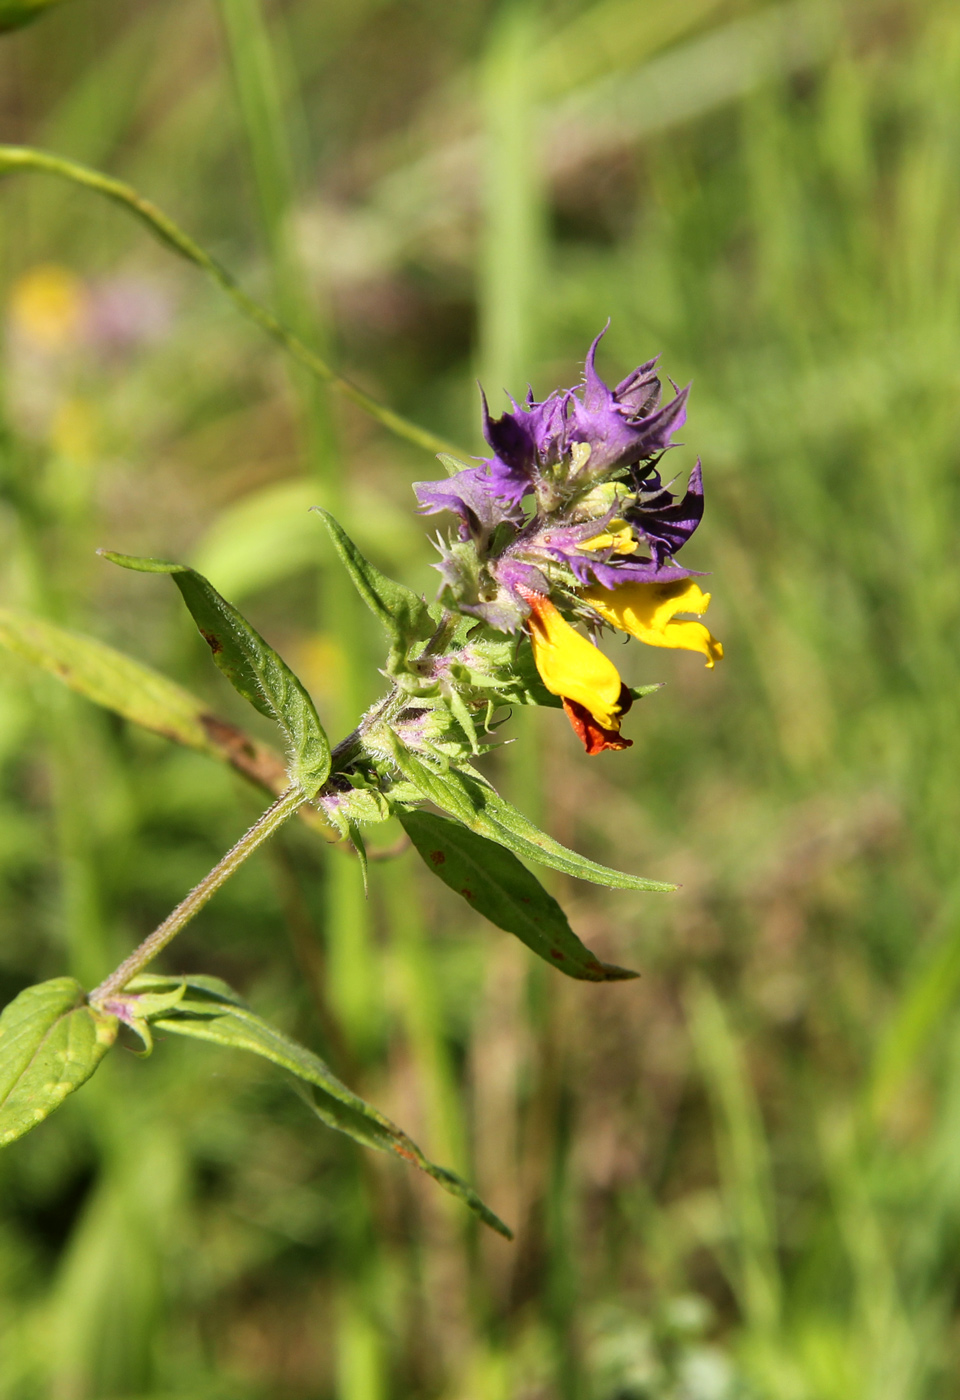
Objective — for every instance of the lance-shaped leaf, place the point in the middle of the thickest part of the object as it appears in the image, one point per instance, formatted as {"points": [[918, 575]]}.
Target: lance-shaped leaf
{"points": [[51, 1042], [404, 615], [492, 881], [462, 793], [252, 667], [508, 825], [215, 1015], [143, 696]]}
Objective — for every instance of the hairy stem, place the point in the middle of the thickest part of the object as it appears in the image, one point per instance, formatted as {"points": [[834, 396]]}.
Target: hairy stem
{"points": [[284, 807]]}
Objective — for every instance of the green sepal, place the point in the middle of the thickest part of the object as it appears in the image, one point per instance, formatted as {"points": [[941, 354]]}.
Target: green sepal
{"points": [[492, 880], [462, 793], [223, 1021], [199, 983], [51, 1041], [464, 718], [135, 1009], [359, 845], [252, 667], [403, 614]]}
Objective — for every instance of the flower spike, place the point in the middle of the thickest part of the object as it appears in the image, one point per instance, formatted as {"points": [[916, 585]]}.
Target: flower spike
{"points": [[569, 521]]}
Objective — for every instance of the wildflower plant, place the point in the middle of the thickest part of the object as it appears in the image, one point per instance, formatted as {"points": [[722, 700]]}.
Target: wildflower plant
{"points": [[568, 528]]}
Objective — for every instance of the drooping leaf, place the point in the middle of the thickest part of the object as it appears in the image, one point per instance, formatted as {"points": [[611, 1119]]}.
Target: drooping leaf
{"points": [[143, 696], [493, 881], [51, 1042], [403, 614], [109, 678], [462, 793], [508, 825], [222, 1021], [252, 667]]}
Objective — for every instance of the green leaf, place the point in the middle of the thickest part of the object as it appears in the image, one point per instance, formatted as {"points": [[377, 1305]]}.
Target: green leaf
{"points": [[462, 793], [512, 828], [109, 678], [224, 1022], [404, 615], [51, 1042], [252, 667], [493, 881], [145, 697]]}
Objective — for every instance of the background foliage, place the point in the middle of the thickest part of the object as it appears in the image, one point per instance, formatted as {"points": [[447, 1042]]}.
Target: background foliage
{"points": [[738, 1176]]}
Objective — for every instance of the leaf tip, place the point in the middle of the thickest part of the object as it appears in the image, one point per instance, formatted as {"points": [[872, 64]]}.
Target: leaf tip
{"points": [[613, 973]]}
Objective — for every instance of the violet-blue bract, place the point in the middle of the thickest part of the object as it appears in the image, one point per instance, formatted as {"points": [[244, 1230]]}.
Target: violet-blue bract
{"points": [[570, 521]]}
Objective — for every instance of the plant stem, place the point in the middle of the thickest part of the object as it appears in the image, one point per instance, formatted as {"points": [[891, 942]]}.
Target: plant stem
{"points": [[17, 158], [284, 807]]}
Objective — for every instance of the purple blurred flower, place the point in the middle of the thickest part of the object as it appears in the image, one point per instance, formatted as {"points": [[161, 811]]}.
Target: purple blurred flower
{"points": [[125, 313]]}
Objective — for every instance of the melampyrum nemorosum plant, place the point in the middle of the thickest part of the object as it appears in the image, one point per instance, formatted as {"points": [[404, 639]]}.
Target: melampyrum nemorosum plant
{"points": [[567, 529]]}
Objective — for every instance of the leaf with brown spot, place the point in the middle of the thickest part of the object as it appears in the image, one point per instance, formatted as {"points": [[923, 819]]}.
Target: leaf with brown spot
{"points": [[494, 882], [143, 696]]}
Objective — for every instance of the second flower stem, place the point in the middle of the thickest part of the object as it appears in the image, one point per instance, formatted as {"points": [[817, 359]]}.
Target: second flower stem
{"points": [[274, 817]]}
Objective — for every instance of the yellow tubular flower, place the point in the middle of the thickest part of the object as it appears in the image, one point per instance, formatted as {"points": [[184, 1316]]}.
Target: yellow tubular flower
{"points": [[648, 612], [572, 667], [618, 536]]}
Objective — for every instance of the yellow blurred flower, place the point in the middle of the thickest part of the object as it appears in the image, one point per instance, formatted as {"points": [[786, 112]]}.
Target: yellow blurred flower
{"points": [[47, 307]]}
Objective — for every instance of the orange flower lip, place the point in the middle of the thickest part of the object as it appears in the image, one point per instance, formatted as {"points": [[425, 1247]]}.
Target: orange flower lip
{"points": [[593, 736]]}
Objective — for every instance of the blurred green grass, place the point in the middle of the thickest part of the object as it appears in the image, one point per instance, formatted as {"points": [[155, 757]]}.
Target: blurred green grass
{"points": [[739, 1176]]}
